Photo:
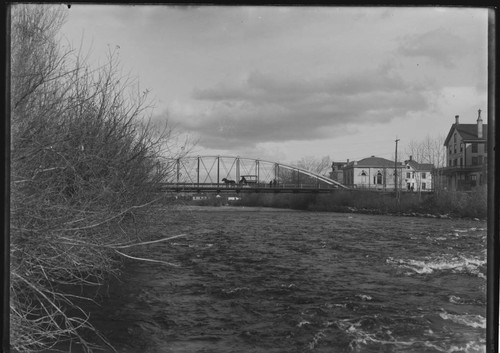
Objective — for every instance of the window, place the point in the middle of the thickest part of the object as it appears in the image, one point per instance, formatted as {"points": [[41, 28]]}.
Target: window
{"points": [[408, 175], [474, 148], [379, 178], [364, 178], [473, 180], [455, 137], [479, 160], [449, 163], [455, 162], [461, 147], [424, 176], [474, 160], [455, 148], [461, 161], [424, 187]]}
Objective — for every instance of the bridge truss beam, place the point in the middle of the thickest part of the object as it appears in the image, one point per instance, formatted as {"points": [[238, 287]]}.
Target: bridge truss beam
{"points": [[207, 172]]}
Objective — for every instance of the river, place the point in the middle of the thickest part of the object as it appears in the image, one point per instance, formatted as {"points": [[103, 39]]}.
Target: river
{"points": [[261, 280]]}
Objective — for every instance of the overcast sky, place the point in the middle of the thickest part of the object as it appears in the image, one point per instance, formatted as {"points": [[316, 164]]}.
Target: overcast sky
{"points": [[282, 83]]}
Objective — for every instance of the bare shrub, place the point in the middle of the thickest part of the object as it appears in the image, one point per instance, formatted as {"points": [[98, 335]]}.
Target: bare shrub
{"points": [[85, 164]]}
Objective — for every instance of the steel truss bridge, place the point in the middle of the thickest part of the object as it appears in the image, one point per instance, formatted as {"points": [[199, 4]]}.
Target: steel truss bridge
{"points": [[237, 174]]}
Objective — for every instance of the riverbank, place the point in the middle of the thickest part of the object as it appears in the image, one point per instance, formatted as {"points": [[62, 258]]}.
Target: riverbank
{"points": [[238, 208], [443, 204], [231, 208]]}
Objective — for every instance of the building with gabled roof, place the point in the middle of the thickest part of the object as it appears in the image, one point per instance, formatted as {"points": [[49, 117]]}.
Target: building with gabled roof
{"points": [[373, 173], [466, 152], [417, 176]]}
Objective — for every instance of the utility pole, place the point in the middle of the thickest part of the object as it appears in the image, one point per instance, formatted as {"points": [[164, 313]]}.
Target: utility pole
{"points": [[396, 172]]}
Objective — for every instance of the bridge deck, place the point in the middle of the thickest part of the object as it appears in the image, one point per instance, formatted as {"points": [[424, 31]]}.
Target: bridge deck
{"points": [[251, 188]]}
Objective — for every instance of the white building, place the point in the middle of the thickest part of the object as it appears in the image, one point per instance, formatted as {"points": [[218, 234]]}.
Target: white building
{"points": [[374, 173], [417, 176]]}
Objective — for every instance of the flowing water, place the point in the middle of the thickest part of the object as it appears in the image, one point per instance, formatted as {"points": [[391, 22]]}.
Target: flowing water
{"points": [[257, 280]]}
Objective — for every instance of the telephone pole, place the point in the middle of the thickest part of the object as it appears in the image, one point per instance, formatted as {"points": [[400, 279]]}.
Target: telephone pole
{"points": [[396, 171]]}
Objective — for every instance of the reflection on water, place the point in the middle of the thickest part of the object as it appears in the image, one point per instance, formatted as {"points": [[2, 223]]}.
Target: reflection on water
{"points": [[288, 281]]}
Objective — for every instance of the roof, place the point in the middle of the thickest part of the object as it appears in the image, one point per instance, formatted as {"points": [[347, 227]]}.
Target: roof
{"points": [[339, 165], [420, 166], [468, 132], [376, 162]]}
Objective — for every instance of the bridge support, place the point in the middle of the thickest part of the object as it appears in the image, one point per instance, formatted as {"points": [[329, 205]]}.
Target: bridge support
{"points": [[178, 171], [198, 172], [218, 172], [237, 169], [257, 168]]}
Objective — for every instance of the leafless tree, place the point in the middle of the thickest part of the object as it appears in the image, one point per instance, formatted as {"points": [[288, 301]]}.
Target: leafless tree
{"points": [[429, 150], [319, 166]]}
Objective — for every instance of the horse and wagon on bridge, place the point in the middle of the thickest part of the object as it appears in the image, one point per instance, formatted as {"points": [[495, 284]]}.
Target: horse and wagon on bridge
{"points": [[246, 180]]}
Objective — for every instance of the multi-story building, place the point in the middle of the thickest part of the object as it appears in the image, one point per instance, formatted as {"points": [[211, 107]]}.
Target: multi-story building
{"points": [[417, 176], [466, 151]]}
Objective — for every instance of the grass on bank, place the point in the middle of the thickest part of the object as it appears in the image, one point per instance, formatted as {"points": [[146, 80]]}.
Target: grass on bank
{"points": [[471, 204]]}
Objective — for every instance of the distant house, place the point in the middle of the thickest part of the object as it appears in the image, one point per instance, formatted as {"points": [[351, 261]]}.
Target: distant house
{"points": [[466, 151], [337, 172], [417, 176], [373, 173]]}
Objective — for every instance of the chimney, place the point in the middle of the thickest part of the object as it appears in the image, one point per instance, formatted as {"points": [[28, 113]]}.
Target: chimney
{"points": [[347, 160], [456, 119], [411, 158], [479, 124]]}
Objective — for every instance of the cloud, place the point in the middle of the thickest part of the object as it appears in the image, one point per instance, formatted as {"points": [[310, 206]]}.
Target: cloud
{"points": [[439, 46], [268, 107]]}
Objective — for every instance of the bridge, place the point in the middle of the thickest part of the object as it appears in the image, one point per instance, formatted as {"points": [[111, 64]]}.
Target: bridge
{"points": [[238, 174]]}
